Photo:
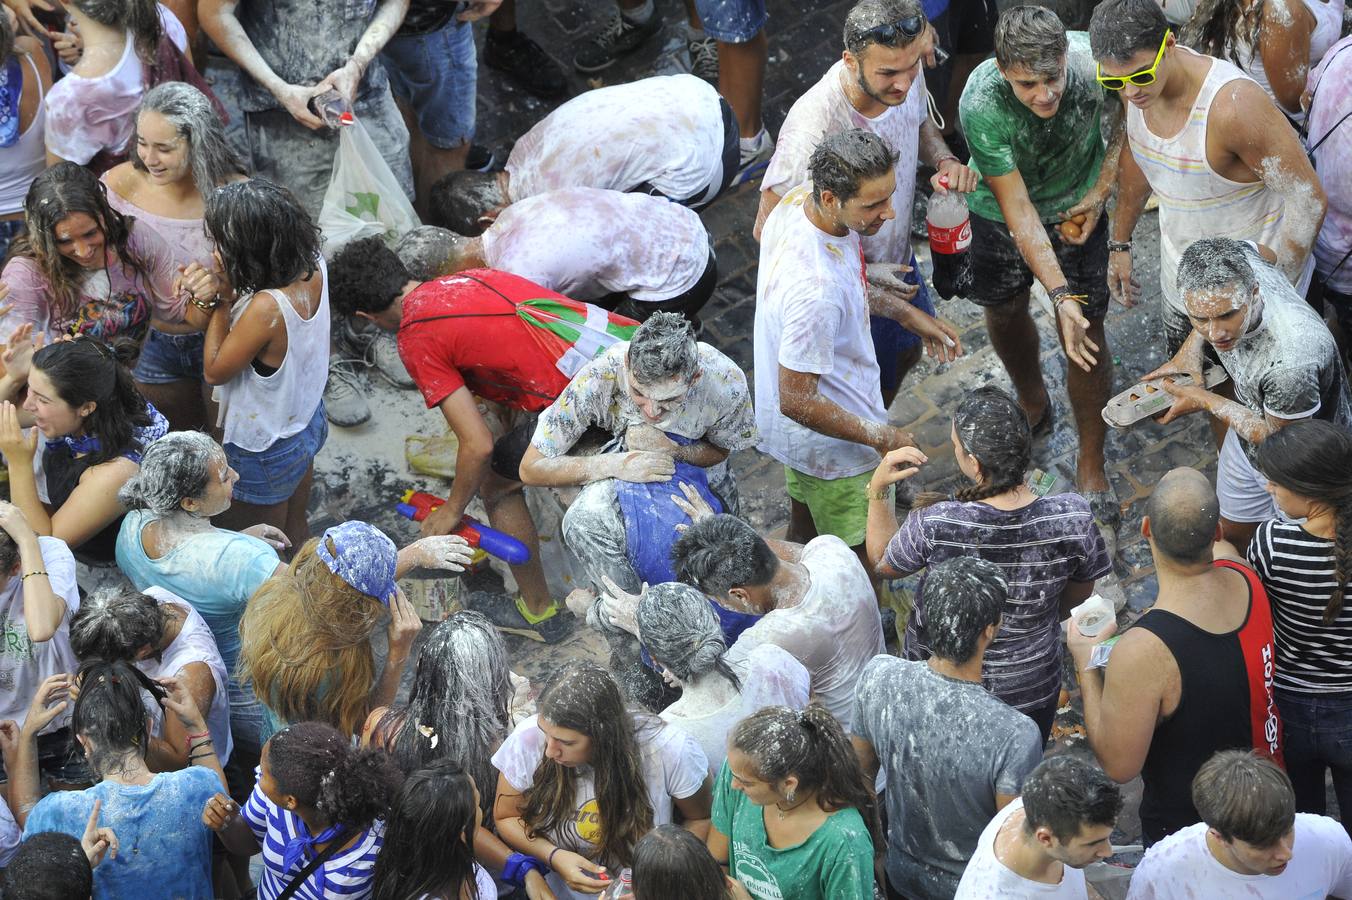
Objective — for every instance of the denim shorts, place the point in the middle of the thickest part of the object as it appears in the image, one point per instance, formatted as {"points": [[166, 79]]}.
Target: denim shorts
{"points": [[732, 21], [9, 230], [999, 271], [436, 74], [271, 476], [890, 339], [170, 357]]}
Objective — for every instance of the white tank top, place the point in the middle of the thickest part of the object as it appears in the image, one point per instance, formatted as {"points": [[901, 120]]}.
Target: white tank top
{"points": [[1195, 201], [194, 644], [259, 410], [1328, 28], [26, 160]]}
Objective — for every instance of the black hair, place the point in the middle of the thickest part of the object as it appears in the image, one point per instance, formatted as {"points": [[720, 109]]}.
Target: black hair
{"points": [[1065, 793], [428, 850], [811, 746], [722, 552], [265, 237], [1313, 459], [992, 427], [49, 865], [663, 347], [1120, 29], [110, 712], [140, 17], [961, 598], [117, 624], [1183, 513], [458, 200], [366, 276], [86, 369], [670, 863], [843, 160], [315, 764]]}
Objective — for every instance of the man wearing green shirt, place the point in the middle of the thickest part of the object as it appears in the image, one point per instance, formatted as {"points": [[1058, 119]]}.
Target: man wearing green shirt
{"points": [[1032, 121]]}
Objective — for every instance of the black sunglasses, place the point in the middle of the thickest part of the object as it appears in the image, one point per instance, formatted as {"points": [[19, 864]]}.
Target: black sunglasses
{"points": [[888, 33]]}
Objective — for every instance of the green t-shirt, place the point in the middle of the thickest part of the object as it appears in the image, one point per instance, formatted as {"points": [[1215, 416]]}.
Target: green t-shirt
{"points": [[1059, 158], [835, 863]]}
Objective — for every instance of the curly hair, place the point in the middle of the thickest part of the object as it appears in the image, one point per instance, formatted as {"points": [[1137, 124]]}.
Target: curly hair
{"points": [[991, 427], [265, 237], [366, 276], [316, 764], [65, 190], [305, 644], [583, 697]]}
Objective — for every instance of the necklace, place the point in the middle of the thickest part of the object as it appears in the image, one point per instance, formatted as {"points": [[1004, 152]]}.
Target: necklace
{"points": [[782, 812]]}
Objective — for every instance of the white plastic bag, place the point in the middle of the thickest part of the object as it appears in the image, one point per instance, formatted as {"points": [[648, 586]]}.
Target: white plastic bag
{"points": [[364, 197]]}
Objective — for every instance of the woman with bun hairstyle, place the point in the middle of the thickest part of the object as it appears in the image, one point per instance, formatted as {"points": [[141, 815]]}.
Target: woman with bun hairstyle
{"points": [[316, 797], [92, 426]]}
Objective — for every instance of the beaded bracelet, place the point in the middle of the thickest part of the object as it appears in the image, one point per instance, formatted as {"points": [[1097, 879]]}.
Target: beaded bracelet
{"points": [[31, 574]]}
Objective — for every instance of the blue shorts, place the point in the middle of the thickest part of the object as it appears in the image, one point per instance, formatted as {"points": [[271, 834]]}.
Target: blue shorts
{"points": [[60, 758], [732, 21], [170, 357], [436, 74], [890, 340], [272, 475]]}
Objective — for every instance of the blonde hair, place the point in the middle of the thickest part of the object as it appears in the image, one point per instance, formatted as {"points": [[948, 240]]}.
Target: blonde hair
{"points": [[305, 644]]}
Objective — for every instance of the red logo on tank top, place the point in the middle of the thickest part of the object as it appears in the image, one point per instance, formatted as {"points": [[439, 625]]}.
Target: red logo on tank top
{"points": [[1256, 643]]}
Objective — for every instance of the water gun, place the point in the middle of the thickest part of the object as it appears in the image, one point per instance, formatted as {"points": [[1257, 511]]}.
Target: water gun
{"points": [[418, 505]]}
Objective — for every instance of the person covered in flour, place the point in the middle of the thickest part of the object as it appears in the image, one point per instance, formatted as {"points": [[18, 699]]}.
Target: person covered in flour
{"points": [[481, 342], [1282, 359], [672, 411]]}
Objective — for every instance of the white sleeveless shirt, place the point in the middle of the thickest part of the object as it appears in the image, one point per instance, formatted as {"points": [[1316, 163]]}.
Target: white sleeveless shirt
{"points": [[27, 157], [1196, 201], [259, 410], [194, 644], [1328, 28]]}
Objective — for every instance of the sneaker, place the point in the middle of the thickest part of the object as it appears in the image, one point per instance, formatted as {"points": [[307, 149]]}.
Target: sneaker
{"points": [[756, 160], [619, 37], [703, 58], [345, 394], [524, 62], [378, 348], [508, 615], [482, 159]]}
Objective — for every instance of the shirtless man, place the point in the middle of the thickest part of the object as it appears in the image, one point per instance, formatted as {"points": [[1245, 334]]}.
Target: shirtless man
{"points": [[1257, 185]]}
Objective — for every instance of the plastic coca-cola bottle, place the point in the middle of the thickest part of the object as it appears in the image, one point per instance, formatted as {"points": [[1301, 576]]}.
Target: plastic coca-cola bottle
{"points": [[622, 889], [332, 107], [950, 234]]}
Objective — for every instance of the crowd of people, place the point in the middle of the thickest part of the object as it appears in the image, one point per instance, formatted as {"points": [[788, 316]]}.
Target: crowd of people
{"points": [[198, 698]]}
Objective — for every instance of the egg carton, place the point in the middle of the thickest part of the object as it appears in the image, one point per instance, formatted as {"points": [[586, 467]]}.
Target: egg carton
{"points": [[1149, 398]]}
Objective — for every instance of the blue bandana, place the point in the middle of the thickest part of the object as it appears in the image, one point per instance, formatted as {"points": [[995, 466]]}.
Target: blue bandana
{"points": [[303, 845], [77, 444], [11, 90]]}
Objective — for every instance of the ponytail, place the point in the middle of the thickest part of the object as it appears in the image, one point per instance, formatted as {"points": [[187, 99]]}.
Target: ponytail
{"points": [[315, 764], [110, 712], [992, 427], [811, 746]]}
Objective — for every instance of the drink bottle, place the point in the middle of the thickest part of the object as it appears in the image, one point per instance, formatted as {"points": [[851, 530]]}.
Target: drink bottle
{"points": [[950, 234], [622, 889], [332, 107]]}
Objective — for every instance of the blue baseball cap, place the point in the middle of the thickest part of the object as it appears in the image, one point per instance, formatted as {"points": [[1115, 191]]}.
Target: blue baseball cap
{"points": [[364, 558]]}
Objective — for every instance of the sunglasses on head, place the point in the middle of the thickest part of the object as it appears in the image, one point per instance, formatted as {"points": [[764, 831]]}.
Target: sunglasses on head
{"points": [[889, 32], [1141, 78]]}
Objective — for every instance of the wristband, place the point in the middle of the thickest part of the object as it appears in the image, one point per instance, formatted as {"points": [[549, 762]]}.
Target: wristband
{"points": [[1119, 246], [886, 493], [551, 856], [206, 305], [31, 574], [519, 865]]}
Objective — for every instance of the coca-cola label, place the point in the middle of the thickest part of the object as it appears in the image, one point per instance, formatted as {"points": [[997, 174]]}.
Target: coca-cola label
{"points": [[950, 240]]}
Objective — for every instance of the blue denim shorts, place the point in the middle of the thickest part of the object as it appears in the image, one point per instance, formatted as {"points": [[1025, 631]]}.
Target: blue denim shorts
{"points": [[732, 21], [170, 357], [271, 476], [890, 340], [9, 230], [436, 74]]}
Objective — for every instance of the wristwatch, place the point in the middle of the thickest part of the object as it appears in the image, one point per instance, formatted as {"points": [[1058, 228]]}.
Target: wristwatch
{"points": [[1119, 246]]}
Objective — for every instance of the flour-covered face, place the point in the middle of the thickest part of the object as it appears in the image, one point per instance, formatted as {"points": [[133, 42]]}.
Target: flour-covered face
{"points": [[657, 401], [887, 73], [1039, 91], [163, 151], [1223, 314], [867, 211]]}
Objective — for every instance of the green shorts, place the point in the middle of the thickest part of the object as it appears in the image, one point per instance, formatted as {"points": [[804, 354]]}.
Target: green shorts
{"points": [[838, 506]]}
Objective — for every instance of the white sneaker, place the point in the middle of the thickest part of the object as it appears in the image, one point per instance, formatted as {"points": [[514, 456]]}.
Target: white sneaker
{"points": [[755, 160]]}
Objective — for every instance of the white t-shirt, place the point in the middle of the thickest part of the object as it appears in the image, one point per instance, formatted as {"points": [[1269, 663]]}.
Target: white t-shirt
{"points": [[833, 632], [825, 109], [673, 767], [194, 644], [666, 132], [587, 242], [11, 835], [482, 880], [812, 316], [985, 876], [771, 677], [24, 665], [1182, 866]]}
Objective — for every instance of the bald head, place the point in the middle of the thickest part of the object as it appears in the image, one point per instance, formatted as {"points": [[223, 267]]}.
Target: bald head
{"points": [[1183, 514]]}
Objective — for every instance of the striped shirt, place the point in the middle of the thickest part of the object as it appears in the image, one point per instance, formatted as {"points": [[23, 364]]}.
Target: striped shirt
{"points": [[1297, 570], [345, 876], [1039, 548]]}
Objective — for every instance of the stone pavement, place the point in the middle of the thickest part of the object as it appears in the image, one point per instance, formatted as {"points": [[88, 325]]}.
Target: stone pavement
{"points": [[354, 480]]}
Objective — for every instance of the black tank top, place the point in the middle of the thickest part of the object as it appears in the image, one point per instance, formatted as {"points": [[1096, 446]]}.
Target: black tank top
{"points": [[1225, 701], [63, 474]]}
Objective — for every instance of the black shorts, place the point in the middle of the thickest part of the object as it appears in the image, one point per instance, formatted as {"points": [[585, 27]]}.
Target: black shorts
{"points": [[999, 272], [970, 27], [510, 449]]}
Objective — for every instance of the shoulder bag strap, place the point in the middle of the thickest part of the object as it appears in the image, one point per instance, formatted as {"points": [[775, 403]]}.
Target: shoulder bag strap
{"points": [[323, 856]]}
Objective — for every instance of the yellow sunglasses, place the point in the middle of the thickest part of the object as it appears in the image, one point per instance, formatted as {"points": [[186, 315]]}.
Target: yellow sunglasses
{"points": [[1141, 78]]}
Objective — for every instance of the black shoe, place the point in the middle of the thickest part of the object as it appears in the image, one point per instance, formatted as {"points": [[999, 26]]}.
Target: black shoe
{"points": [[618, 37], [525, 62], [506, 614], [482, 159]]}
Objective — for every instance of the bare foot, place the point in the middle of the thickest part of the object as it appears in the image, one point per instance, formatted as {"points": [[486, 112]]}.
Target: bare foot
{"points": [[579, 601]]}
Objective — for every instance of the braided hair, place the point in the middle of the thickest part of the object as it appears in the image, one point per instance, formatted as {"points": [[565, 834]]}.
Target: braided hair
{"points": [[991, 427], [1313, 459]]}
